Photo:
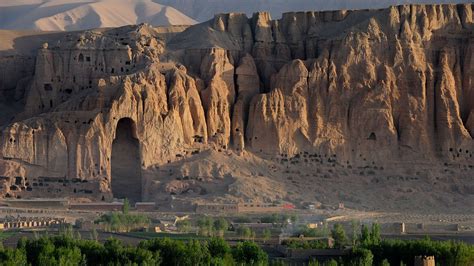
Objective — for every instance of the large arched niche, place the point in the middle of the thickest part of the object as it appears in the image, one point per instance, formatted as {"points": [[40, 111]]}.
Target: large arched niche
{"points": [[126, 181]]}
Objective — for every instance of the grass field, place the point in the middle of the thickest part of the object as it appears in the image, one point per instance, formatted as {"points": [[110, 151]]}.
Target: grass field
{"points": [[7, 234]]}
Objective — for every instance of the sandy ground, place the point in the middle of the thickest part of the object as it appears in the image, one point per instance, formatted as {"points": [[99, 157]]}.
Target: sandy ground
{"points": [[227, 177]]}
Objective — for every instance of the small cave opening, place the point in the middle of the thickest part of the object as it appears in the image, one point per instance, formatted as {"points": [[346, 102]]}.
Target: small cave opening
{"points": [[372, 136]]}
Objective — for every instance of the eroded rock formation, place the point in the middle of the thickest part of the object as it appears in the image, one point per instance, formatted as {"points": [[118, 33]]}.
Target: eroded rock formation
{"points": [[368, 94]]}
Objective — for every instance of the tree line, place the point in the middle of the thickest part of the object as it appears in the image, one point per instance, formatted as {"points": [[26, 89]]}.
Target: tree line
{"points": [[368, 248], [66, 250]]}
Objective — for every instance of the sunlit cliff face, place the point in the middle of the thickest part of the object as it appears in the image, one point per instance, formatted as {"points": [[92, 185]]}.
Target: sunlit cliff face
{"points": [[383, 96]]}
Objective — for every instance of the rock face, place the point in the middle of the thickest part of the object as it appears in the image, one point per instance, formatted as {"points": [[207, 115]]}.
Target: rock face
{"points": [[353, 95]]}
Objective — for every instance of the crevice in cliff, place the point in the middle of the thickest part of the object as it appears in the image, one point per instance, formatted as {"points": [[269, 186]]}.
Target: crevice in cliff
{"points": [[305, 50], [460, 14], [328, 70], [236, 87], [435, 103], [400, 29], [308, 111], [143, 98], [47, 149], [348, 115], [463, 105], [396, 124], [232, 109], [34, 140], [435, 91]]}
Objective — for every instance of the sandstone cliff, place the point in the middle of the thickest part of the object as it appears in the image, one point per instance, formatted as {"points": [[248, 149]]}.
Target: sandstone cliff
{"points": [[331, 99]]}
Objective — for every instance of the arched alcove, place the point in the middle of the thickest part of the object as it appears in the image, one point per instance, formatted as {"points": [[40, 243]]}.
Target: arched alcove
{"points": [[126, 170], [372, 136]]}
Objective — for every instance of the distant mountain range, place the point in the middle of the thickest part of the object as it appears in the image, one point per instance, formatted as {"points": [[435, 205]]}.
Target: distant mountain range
{"points": [[59, 15], [202, 10]]}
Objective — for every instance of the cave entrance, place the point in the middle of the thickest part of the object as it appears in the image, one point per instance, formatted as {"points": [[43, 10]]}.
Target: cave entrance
{"points": [[126, 169]]}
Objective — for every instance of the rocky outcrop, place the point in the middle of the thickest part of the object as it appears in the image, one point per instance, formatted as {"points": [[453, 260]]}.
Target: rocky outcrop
{"points": [[248, 85], [355, 89], [371, 83]]}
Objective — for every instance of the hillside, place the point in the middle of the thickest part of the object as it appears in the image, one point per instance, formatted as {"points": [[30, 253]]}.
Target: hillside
{"points": [[59, 15]]}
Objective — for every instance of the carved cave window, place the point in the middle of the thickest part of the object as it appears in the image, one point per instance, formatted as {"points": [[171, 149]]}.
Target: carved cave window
{"points": [[48, 87], [372, 136]]}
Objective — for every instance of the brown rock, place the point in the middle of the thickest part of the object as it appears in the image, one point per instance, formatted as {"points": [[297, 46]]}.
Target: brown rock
{"points": [[347, 93]]}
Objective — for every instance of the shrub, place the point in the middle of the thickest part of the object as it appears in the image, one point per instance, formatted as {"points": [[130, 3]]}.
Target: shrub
{"points": [[339, 236], [249, 253], [121, 222]]}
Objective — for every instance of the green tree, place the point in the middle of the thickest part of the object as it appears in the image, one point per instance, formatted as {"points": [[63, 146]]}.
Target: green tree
{"points": [[139, 256], [22, 243], [66, 250], [78, 235], [218, 247], [184, 226], [125, 206], [36, 247], [66, 230], [339, 236], [293, 218], [114, 251], [172, 252], [355, 225], [69, 256], [371, 237], [362, 257], [270, 219], [206, 225], [267, 234], [249, 253], [244, 232], [119, 222], [305, 244], [314, 232], [93, 251], [375, 237], [12, 257], [364, 238], [94, 235], [220, 226], [284, 219], [228, 260], [196, 253]]}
